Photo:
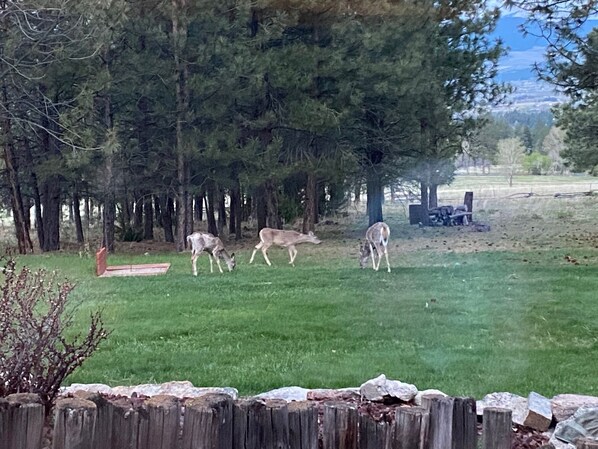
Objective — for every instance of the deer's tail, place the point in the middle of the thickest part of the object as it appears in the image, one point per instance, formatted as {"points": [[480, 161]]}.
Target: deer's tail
{"points": [[384, 235]]}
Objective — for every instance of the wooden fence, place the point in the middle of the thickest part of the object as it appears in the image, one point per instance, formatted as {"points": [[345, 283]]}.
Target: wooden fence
{"points": [[218, 422]]}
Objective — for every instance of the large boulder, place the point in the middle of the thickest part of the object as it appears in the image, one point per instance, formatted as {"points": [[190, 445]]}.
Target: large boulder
{"points": [[517, 404], [583, 424], [538, 415], [533, 411], [381, 389], [564, 406]]}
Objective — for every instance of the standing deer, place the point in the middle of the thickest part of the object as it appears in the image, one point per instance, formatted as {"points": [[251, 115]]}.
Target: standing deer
{"points": [[376, 242], [200, 242], [285, 239]]}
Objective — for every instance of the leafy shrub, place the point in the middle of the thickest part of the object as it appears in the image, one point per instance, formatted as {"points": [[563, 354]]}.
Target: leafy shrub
{"points": [[35, 355], [537, 164]]}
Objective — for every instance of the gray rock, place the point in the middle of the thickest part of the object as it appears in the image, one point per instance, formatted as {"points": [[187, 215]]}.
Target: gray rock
{"points": [[565, 405], [380, 388], [326, 394], [181, 389], [517, 404], [90, 388], [558, 444], [286, 393], [431, 392], [539, 413], [584, 423]]}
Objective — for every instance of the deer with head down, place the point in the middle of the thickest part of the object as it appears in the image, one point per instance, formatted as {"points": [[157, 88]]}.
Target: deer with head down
{"points": [[285, 239], [203, 241], [375, 245]]}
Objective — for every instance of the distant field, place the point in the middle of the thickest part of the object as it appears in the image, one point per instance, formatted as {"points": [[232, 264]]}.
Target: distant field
{"points": [[506, 310], [495, 185]]}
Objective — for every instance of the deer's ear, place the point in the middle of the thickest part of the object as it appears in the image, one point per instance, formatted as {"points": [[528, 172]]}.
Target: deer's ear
{"points": [[310, 233], [232, 256]]}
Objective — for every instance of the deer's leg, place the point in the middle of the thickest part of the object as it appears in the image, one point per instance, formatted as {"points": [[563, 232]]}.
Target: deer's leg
{"points": [[373, 256], [258, 246], [387, 262], [217, 259], [292, 254], [194, 262], [264, 252], [211, 263]]}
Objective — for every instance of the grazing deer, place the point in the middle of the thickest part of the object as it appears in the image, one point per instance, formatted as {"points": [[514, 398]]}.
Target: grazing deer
{"points": [[376, 242], [285, 239], [200, 242]]}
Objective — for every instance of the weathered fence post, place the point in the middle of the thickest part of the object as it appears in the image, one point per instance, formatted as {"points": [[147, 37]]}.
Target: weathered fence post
{"points": [[586, 443], [4, 427], [21, 421], [208, 422], [372, 434], [74, 424], [468, 201], [102, 434], [261, 425], [129, 424], [497, 428], [440, 434], [164, 417], [410, 428], [303, 425], [452, 422], [339, 426], [464, 424]]}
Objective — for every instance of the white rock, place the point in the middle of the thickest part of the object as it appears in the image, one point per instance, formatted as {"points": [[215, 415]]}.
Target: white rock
{"points": [[286, 393], [178, 388], [431, 392], [380, 388], [565, 405], [91, 388], [517, 404], [539, 412]]}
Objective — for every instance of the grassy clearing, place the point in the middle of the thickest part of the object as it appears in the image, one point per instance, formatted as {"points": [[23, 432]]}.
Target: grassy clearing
{"points": [[506, 310]]}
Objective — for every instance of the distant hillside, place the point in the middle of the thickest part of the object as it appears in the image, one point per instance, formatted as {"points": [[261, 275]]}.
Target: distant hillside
{"points": [[517, 67]]}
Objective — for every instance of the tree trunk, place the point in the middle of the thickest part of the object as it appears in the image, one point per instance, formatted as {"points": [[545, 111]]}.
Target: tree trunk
{"points": [[235, 212], [51, 211], [148, 217], [246, 205], [88, 209], [261, 207], [357, 192], [210, 208], [274, 219], [221, 211], [37, 201], [374, 198], [425, 202], [109, 206], [167, 209], [16, 201], [77, 216], [433, 197], [108, 219], [310, 210], [137, 210], [198, 209], [179, 37], [51, 189]]}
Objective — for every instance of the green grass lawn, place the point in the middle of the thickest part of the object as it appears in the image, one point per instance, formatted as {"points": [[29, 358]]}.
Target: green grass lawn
{"points": [[496, 320]]}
